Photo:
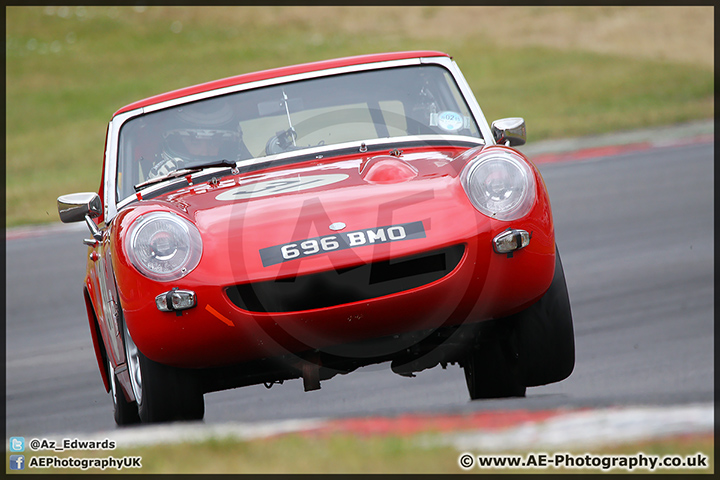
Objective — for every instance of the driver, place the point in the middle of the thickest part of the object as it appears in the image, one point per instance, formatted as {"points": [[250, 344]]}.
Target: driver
{"points": [[200, 133]]}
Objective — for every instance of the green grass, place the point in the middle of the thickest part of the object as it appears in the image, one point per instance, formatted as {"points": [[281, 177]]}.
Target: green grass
{"points": [[344, 453], [69, 69]]}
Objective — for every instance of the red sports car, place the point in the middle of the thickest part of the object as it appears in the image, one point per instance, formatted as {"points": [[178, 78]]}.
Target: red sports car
{"points": [[306, 221]]}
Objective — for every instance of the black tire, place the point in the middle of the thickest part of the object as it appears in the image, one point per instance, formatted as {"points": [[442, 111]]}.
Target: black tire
{"points": [[543, 335], [163, 393], [491, 366], [533, 347], [125, 412]]}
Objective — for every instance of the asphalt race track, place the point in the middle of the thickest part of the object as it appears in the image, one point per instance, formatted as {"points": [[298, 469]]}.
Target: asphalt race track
{"points": [[635, 232]]}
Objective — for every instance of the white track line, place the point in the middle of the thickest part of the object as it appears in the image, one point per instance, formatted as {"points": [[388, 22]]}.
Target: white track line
{"points": [[580, 428], [592, 428]]}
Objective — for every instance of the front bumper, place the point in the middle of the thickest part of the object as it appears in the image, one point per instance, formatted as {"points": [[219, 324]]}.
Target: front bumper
{"points": [[238, 323]]}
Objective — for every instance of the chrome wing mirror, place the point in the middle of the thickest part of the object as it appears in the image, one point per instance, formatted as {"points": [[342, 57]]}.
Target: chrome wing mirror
{"points": [[76, 207], [509, 131]]}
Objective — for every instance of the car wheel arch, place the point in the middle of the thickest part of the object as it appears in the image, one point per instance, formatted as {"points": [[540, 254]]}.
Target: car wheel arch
{"points": [[98, 343]]}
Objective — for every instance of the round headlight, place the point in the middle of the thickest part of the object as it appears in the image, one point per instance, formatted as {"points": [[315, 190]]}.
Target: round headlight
{"points": [[500, 185], [163, 246]]}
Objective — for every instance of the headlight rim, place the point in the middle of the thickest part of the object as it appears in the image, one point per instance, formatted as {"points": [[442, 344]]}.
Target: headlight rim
{"points": [[529, 194], [193, 240]]}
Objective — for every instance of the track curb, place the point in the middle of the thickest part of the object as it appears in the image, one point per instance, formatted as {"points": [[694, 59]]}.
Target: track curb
{"points": [[491, 431], [671, 135]]}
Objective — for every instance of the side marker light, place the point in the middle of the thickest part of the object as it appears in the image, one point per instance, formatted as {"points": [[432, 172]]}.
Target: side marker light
{"points": [[175, 300], [510, 241]]}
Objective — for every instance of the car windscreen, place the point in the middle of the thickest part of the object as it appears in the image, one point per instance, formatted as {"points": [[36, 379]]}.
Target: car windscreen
{"points": [[287, 117]]}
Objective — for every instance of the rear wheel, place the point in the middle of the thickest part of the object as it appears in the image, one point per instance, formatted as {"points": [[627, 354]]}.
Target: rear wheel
{"points": [[163, 393]]}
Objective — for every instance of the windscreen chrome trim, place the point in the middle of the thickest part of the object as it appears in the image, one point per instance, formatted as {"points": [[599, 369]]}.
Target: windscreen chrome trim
{"points": [[113, 204], [472, 102], [110, 174]]}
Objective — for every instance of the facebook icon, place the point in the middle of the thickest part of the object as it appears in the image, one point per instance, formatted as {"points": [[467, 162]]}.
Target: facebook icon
{"points": [[17, 462]]}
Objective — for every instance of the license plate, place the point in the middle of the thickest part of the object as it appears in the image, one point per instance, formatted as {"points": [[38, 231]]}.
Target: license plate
{"points": [[341, 241]]}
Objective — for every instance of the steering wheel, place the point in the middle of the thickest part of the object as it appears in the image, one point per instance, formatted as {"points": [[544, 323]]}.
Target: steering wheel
{"points": [[282, 141]]}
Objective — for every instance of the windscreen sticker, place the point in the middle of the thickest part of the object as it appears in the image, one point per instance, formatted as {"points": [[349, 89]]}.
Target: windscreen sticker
{"points": [[279, 186], [450, 121], [341, 241]]}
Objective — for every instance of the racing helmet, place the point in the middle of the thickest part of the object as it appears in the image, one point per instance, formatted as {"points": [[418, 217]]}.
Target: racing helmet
{"points": [[197, 133]]}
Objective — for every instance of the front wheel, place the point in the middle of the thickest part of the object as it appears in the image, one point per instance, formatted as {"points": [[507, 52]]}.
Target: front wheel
{"points": [[163, 393], [543, 335], [125, 412], [533, 347]]}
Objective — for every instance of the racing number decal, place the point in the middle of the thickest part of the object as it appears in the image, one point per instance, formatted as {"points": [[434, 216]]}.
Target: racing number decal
{"points": [[280, 185], [314, 246]]}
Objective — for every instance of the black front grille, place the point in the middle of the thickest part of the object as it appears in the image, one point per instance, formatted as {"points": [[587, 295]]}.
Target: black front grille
{"points": [[354, 284]]}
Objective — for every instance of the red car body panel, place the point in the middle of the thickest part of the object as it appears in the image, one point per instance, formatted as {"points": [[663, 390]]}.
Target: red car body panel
{"points": [[96, 335], [484, 285]]}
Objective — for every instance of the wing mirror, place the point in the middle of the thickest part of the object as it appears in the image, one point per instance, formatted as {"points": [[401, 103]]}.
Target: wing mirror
{"points": [[77, 207], [74, 207], [509, 131]]}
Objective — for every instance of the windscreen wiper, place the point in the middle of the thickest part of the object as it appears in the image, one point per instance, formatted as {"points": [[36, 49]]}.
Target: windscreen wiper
{"points": [[190, 169]]}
